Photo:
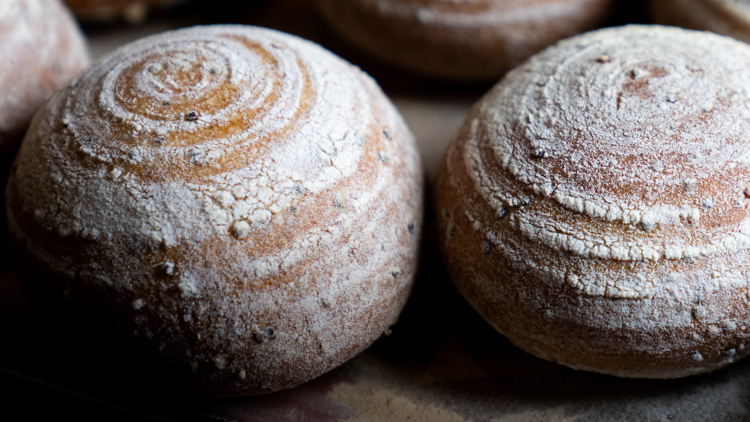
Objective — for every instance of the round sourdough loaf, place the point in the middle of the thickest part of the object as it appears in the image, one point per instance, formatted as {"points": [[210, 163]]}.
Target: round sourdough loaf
{"points": [[229, 210], [133, 11], [42, 49], [594, 205], [462, 39], [727, 17]]}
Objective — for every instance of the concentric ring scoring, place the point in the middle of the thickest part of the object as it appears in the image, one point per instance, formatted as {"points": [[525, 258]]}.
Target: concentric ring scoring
{"points": [[252, 104], [601, 194], [214, 182], [209, 100], [185, 80], [682, 110]]}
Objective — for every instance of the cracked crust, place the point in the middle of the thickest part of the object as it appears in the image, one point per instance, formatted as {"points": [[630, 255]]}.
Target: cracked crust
{"points": [[460, 39], [230, 210], [594, 205]]}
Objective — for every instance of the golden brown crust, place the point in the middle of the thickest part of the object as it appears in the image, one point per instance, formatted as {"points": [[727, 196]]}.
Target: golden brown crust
{"points": [[471, 40], [34, 62], [594, 205], [227, 209]]}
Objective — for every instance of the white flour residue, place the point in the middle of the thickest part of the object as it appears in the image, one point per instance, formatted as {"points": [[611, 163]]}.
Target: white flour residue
{"points": [[591, 123], [601, 192], [251, 175], [161, 132]]}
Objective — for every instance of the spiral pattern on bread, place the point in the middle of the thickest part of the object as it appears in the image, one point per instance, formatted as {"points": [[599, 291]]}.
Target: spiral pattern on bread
{"points": [[594, 205], [247, 204]]}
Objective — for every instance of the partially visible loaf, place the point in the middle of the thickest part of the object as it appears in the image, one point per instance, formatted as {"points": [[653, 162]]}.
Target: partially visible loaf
{"points": [[133, 11], [465, 39], [595, 205], [726, 17], [42, 49]]}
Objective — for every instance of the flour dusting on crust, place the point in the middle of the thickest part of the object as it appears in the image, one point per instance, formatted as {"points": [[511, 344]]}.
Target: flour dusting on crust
{"points": [[231, 181], [42, 49], [611, 170]]}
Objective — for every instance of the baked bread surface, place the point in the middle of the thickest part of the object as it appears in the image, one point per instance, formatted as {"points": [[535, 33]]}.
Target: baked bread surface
{"points": [[229, 210], [726, 17], [594, 205], [42, 49], [133, 11], [464, 39]]}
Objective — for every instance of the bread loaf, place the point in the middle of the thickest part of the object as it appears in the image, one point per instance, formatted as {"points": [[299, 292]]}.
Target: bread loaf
{"points": [[726, 17], [42, 48], [594, 205], [229, 210], [465, 39], [133, 11]]}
